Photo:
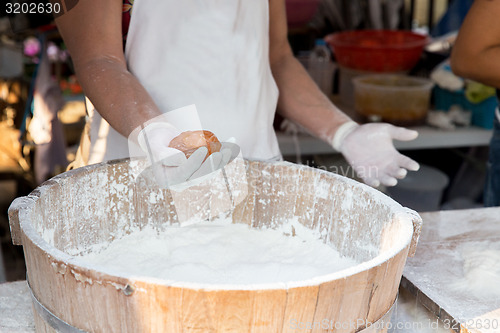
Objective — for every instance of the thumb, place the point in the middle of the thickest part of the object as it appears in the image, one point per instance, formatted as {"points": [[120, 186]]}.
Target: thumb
{"points": [[402, 134], [171, 157]]}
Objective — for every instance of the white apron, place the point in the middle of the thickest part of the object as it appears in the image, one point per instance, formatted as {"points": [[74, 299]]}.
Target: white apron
{"points": [[211, 53]]}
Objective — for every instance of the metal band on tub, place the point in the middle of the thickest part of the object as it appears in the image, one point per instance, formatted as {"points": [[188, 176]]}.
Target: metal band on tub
{"points": [[51, 319], [63, 327]]}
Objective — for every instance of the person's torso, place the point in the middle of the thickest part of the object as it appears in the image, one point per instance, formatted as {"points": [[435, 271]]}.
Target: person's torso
{"points": [[211, 53]]}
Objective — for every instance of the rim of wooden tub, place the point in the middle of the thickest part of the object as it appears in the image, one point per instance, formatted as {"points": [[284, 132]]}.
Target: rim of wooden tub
{"points": [[81, 270]]}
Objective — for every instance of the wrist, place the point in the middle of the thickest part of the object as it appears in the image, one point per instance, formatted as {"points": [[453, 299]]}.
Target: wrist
{"points": [[341, 133]]}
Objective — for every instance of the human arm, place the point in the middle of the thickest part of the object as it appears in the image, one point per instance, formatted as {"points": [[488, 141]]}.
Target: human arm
{"points": [[476, 51], [368, 148], [93, 36], [92, 33], [300, 100]]}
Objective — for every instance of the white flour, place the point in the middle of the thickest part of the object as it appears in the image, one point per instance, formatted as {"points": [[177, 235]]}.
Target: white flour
{"points": [[481, 268], [220, 253]]}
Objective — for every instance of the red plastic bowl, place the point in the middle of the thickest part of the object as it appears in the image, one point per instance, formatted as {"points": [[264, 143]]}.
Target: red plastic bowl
{"points": [[300, 12], [377, 50]]}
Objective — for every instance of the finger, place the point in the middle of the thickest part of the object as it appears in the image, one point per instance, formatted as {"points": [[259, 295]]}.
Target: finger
{"points": [[387, 180], [210, 165], [371, 182], [235, 149], [194, 162], [402, 134], [408, 163], [171, 157], [214, 161], [400, 174], [226, 156], [396, 171]]}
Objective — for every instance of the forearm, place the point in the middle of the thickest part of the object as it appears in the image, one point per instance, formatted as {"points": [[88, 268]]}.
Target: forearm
{"points": [[483, 67], [92, 33], [301, 100], [116, 94], [476, 52]]}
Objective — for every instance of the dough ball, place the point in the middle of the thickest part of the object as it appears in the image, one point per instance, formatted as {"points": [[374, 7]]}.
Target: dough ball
{"points": [[189, 141]]}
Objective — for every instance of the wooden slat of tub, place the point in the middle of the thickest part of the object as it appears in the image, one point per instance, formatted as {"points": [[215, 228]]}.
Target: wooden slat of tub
{"points": [[377, 293], [389, 287], [351, 304], [394, 278], [266, 316], [303, 205], [373, 281], [120, 197], [397, 272], [324, 203], [236, 178], [274, 203], [216, 311], [287, 189], [197, 314], [192, 204], [265, 201], [220, 198], [244, 211], [161, 304], [330, 298], [232, 307], [300, 307]]}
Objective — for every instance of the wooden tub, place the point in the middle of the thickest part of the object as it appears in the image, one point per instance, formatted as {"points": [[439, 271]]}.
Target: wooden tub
{"points": [[101, 202]]}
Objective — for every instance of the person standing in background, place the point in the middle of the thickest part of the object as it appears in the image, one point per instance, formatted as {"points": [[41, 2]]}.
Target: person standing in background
{"points": [[476, 55]]}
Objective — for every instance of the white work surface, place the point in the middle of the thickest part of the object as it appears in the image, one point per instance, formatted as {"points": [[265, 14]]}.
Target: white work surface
{"points": [[427, 277], [15, 308], [429, 138], [435, 276]]}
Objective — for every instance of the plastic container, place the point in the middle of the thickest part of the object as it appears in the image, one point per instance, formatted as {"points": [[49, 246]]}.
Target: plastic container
{"points": [[300, 12], [319, 66], [346, 86], [397, 99], [483, 113], [421, 190], [377, 50]]}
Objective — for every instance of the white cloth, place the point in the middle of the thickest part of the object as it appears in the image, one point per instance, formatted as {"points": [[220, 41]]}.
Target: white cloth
{"points": [[45, 128], [211, 53]]}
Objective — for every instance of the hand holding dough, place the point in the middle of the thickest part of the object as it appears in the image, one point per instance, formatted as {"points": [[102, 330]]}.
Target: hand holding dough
{"points": [[188, 142]]}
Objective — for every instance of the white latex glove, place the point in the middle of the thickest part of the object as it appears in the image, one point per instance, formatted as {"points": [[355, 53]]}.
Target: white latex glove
{"points": [[154, 140], [228, 151], [170, 166], [369, 150]]}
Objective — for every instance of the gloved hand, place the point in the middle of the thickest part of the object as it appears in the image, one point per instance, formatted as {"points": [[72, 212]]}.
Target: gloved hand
{"points": [[170, 166], [228, 151], [369, 150]]}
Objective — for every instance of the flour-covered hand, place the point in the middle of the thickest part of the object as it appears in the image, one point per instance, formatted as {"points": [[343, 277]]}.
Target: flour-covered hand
{"points": [[370, 151], [229, 151], [169, 165]]}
